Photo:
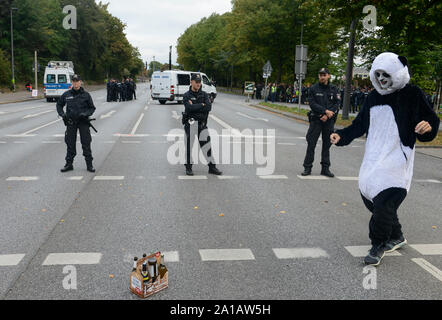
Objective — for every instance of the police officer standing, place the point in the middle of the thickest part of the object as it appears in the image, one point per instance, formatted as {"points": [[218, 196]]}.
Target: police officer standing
{"points": [[197, 107], [79, 107], [324, 104]]}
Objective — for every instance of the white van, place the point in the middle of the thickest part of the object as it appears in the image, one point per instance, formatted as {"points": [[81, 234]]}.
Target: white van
{"points": [[57, 79], [171, 85]]}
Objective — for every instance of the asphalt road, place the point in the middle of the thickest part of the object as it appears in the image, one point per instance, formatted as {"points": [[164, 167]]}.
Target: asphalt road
{"points": [[288, 238]]}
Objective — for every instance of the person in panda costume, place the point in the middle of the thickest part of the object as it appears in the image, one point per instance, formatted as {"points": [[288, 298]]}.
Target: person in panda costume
{"points": [[393, 116]]}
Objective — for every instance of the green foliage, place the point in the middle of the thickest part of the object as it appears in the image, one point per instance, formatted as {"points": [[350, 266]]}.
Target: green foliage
{"points": [[98, 47]]}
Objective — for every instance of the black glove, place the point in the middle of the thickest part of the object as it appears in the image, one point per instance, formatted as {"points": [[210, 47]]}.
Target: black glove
{"points": [[65, 119]]}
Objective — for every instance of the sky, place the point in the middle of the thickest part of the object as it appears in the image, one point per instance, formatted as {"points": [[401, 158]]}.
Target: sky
{"points": [[155, 25]]}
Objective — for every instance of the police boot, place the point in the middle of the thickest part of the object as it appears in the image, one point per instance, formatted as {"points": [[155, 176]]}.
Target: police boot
{"points": [[214, 170], [307, 172], [67, 167], [90, 167], [189, 171], [326, 172]]}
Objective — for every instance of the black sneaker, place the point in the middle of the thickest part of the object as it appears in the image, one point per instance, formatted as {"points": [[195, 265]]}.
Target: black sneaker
{"points": [[67, 167], [375, 255], [307, 172], [214, 170], [189, 171], [393, 245], [326, 172]]}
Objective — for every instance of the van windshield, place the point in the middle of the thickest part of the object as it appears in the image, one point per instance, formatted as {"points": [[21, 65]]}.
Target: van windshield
{"points": [[183, 80], [50, 78], [62, 78]]}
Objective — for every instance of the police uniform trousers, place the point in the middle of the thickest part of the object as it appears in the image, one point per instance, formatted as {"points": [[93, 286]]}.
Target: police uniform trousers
{"points": [[315, 129], [71, 141], [201, 127]]}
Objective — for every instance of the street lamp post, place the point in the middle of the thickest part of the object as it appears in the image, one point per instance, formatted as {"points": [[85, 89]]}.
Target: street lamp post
{"points": [[12, 51]]}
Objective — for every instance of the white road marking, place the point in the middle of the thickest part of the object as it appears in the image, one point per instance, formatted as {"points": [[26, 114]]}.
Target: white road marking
{"points": [[10, 259], [428, 180], [294, 253], [192, 177], [108, 178], [313, 177], [250, 117], [38, 128], [362, 251], [428, 249], [348, 178], [235, 132], [424, 264], [22, 179], [130, 141], [21, 135], [137, 124], [273, 177], [107, 115], [72, 258], [171, 256], [75, 178], [18, 142], [51, 142], [226, 254], [37, 114], [286, 144], [227, 177]]}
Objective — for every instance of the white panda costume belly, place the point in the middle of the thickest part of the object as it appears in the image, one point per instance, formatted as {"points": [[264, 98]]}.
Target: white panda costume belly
{"points": [[387, 162]]}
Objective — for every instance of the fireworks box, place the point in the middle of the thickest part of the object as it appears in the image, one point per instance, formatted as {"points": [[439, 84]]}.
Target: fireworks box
{"points": [[145, 283]]}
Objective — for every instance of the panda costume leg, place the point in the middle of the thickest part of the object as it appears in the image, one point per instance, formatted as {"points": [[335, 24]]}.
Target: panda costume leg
{"points": [[393, 117]]}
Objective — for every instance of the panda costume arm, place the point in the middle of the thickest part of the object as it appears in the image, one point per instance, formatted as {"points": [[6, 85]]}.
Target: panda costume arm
{"points": [[426, 113], [358, 127]]}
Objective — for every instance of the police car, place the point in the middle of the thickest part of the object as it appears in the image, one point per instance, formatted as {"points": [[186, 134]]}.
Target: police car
{"points": [[57, 79], [171, 85]]}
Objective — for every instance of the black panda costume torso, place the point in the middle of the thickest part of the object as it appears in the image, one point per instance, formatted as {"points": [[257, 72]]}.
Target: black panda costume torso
{"points": [[389, 117]]}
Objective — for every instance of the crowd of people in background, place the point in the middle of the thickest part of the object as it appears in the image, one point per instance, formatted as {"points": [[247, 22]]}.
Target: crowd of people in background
{"points": [[121, 91]]}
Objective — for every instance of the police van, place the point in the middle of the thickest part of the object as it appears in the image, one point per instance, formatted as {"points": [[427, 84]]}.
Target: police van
{"points": [[171, 85], [57, 79]]}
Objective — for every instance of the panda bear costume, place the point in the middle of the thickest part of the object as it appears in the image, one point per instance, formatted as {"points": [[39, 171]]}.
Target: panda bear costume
{"points": [[393, 116]]}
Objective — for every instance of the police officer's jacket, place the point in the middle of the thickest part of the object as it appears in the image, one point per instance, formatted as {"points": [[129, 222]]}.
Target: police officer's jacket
{"points": [[78, 104], [196, 110], [323, 97]]}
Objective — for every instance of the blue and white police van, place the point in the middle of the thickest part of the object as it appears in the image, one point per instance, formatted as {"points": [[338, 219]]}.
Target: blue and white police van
{"points": [[57, 79]]}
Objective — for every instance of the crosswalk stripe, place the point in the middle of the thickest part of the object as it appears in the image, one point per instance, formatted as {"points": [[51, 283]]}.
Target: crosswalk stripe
{"points": [[428, 249], [226, 254], [348, 178], [104, 178], [362, 251], [273, 177], [293, 253], [192, 177], [424, 264], [75, 178], [313, 177], [72, 258], [22, 178], [10, 259], [227, 177], [171, 256]]}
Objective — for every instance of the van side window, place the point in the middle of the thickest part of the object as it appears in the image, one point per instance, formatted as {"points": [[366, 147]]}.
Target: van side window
{"points": [[183, 80], [62, 78], [50, 78], [206, 81]]}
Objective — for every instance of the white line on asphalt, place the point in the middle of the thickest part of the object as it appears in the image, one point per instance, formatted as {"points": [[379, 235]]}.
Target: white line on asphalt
{"points": [[21, 135], [362, 251], [348, 178], [75, 178], [38, 128], [107, 115], [273, 177], [22, 178], [51, 142], [234, 132], [10, 259], [428, 180], [226, 254], [130, 141], [250, 117], [110, 178], [286, 144], [72, 258], [37, 114], [428, 249], [192, 177], [293, 253], [20, 142], [171, 256], [313, 177], [137, 124], [3, 142], [424, 264], [227, 177]]}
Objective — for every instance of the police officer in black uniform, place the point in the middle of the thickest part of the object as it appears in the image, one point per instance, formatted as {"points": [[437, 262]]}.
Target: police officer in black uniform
{"points": [[324, 104], [197, 107], [79, 107]]}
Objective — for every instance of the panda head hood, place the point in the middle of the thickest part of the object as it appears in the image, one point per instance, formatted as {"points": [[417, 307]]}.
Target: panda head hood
{"points": [[395, 66]]}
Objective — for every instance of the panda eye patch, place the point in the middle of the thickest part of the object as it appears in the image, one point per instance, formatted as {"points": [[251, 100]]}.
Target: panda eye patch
{"points": [[377, 74], [386, 75]]}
